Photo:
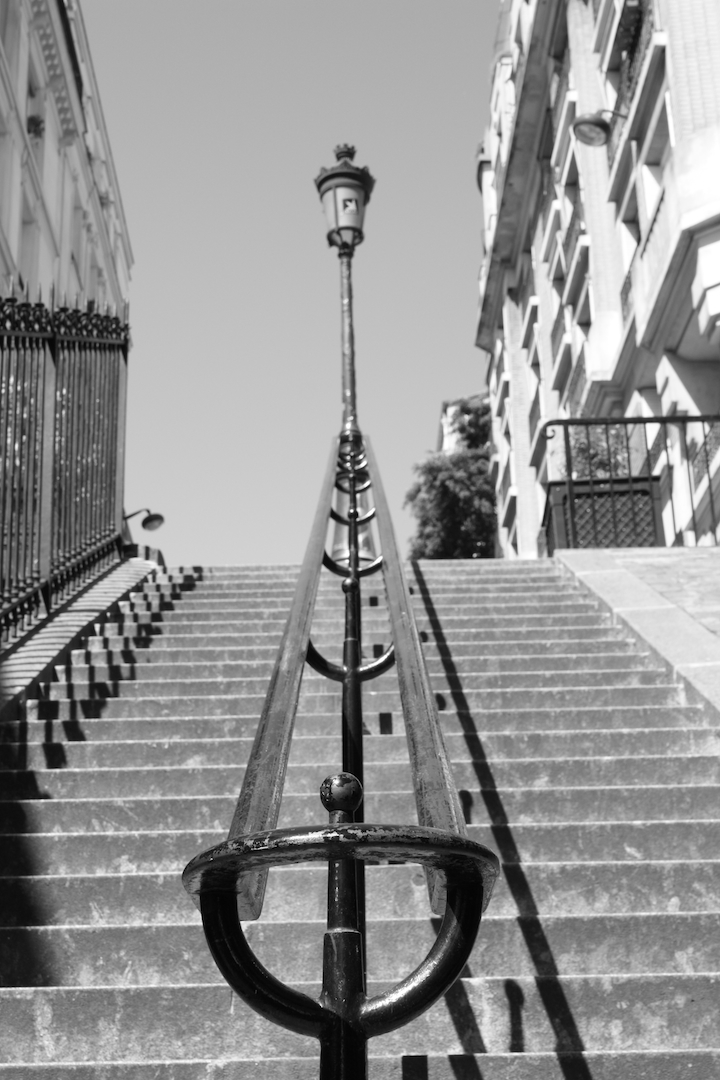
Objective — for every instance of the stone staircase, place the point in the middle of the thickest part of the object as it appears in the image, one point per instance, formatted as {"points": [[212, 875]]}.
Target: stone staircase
{"points": [[579, 761]]}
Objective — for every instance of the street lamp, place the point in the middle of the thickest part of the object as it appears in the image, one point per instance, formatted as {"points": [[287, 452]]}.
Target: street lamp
{"points": [[345, 191], [593, 129], [151, 522]]}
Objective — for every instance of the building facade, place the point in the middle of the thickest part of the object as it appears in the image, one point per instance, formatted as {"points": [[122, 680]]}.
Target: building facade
{"points": [[600, 282], [62, 226]]}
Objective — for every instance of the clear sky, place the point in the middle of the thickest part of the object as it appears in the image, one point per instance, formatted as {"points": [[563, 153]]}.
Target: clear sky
{"points": [[220, 115]]}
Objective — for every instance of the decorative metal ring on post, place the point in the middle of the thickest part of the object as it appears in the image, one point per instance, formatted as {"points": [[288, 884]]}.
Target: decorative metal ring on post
{"points": [[344, 1015]]}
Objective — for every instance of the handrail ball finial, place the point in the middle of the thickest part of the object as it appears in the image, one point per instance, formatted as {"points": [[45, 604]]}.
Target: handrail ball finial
{"points": [[341, 796]]}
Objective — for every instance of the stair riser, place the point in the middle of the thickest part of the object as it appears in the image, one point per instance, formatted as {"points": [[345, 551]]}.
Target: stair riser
{"points": [[76, 713], [385, 768], [150, 956], [165, 853], [308, 747], [393, 747], [107, 663], [687, 1065], [151, 701], [95, 681], [558, 889], [150, 798], [228, 647], [120, 1024]]}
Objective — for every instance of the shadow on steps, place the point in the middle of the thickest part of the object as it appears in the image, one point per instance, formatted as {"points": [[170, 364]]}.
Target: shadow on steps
{"points": [[23, 961], [569, 1045]]}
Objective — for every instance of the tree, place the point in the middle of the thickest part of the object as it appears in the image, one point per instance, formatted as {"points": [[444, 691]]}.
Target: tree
{"points": [[453, 498]]}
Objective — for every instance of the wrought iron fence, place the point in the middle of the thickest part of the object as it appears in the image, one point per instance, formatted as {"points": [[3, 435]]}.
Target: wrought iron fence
{"points": [[633, 482], [62, 402]]}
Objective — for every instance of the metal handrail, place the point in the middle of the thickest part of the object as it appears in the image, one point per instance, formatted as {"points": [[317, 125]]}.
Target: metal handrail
{"points": [[228, 881], [259, 803]]}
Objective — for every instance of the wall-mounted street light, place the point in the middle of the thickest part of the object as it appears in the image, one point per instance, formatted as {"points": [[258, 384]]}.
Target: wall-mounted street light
{"points": [[151, 522], [594, 129]]}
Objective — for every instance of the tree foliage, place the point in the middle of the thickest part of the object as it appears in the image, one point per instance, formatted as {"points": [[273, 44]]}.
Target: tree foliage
{"points": [[453, 498]]}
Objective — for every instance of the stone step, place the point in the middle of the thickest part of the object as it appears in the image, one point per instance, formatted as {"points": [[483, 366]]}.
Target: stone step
{"points": [[671, 1065], [590, 742], [159, 699], [69, 800], [214, 632], [386, 762], [235, 679], [629, 1013], [257, 646], [329, 606], [506, 947], [161, 851], [562, 888], [75, 713], [161, 659], [556, 888]]}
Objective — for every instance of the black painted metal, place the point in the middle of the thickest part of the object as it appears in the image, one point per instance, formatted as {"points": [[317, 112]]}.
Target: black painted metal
{"points": [[62, 392], [634, 482], [228, 882]]}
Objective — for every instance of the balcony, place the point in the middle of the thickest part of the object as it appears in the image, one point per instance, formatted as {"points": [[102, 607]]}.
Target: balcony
{"points": [[576, 385], [561, 343], [537, 439], [635, 482], [635, 33], [507, 495], [562, 77], [626, 297], [576, 251]]}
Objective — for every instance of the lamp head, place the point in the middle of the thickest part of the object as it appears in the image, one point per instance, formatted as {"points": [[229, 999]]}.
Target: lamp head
{"points": [[152, 522], [592, 129], [345, 191]]}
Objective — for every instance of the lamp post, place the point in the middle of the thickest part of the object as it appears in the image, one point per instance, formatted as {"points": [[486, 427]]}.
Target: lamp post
{"points": [[345, 191]]}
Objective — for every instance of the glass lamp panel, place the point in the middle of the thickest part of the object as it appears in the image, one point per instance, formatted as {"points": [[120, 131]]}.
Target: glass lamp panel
{"points": [[329, 206], [350, 203]]}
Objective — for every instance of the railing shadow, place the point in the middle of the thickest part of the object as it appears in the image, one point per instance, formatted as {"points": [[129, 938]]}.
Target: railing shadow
{"points": [[569, 1046], [24, 959]]}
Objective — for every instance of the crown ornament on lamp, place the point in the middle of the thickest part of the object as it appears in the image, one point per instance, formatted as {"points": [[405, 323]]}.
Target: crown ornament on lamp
{"points": [[345, 191]]}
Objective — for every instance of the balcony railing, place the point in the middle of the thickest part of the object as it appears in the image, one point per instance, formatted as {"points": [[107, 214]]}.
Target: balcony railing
{"points": [[633, 482], [558, 331], [638, 35], [534, 418], [505, 482], [561, 89], [626, 297], [576, 227], [549, 194], [62, 392]]}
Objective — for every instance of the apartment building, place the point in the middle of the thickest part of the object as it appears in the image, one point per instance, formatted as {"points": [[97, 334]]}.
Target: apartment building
{"points": [[600, 281], [62, 225]]}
